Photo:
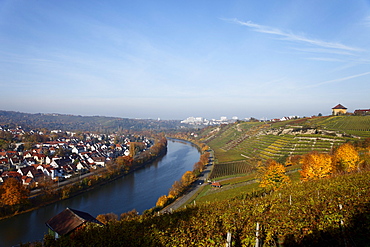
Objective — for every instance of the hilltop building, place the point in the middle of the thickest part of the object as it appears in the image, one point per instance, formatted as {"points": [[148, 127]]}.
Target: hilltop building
{"points": [[362, 112], [339, 110]]}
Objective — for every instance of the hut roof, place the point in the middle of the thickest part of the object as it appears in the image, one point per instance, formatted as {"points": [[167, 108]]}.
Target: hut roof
{"points": [[68, 220]]}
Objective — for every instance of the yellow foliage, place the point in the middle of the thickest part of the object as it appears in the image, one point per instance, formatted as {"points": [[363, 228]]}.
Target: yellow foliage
{"points": [[273, 176], [346, 157], [187, 178], [161, 201], [316, 165]]}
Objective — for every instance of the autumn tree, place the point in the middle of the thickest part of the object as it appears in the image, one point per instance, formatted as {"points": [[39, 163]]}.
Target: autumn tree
{"points": [[293, 160], [346, 158], [129, 215], [273, 175], [13, 192], [125, 161], [132, 149], [175, 190], [187, 178], [198, 168], [316, 165], [161, 202], [105, 218]]}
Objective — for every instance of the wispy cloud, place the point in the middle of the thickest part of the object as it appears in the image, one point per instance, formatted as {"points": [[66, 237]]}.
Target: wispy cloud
{"points": [[338, 80], [325, 50], [326, 59], [292, 36]]}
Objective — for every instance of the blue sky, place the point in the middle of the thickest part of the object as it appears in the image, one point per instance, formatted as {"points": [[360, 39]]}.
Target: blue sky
{"points": [[175, 59]]}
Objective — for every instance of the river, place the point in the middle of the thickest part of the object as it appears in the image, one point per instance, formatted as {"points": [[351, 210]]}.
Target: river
{"points": [[139, 190]]}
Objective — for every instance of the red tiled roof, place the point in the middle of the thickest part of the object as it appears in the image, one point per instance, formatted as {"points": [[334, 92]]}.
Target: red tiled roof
{"points": [[363, 110], [339, 106], [216, 184], [12, 174]]}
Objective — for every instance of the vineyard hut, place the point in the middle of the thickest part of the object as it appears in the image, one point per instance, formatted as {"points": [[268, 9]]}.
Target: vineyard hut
{"points": [[339, 110], [216, 184], [69, 220]]}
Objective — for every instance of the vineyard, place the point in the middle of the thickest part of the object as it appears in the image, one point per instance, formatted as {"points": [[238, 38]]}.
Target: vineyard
{"points": [[231, 168], [328, 212], [353, 125], [248, 142]]}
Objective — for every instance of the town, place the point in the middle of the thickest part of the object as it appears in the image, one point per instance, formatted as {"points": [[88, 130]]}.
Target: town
{"points": [[59, 155]]}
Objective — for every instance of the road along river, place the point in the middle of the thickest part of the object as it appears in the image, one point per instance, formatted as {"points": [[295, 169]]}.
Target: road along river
{"points": [[139, 190]]}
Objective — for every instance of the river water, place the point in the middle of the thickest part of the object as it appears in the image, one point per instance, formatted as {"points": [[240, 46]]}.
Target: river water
{"points": [[139, 190]]}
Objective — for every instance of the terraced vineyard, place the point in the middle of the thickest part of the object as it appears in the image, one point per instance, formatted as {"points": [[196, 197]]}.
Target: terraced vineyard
{"points": [[353, 125], [250, 141]]}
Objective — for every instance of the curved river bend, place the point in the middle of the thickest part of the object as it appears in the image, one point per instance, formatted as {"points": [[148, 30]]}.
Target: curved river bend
{"points": [[139, 190]]}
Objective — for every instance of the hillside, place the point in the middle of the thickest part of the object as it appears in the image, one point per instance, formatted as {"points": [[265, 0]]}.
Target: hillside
{"points": [[330, 212], [248, 142], [334, 211], [82, 123]]}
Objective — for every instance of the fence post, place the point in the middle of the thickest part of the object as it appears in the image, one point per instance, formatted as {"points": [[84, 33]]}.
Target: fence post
{"points": [[228, 239], [257, 235]]}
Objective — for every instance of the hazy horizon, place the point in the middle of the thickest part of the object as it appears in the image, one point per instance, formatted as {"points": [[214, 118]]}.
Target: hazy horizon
{"points": [[173, 60]]}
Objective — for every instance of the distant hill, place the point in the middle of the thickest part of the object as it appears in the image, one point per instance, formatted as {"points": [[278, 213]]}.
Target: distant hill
{"points": [[82, 123]]}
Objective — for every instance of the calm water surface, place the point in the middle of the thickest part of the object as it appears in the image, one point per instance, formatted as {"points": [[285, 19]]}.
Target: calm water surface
{"points": [[139, 191]]}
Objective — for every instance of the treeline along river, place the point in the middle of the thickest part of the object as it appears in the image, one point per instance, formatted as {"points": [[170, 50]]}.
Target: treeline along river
{"points": [[138, 190]]}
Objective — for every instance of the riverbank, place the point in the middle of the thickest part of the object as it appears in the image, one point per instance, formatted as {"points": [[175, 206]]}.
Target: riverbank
{"points": [[138, 190], [87, 182], [180, 195]]}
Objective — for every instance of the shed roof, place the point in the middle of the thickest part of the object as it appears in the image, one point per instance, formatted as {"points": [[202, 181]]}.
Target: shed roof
{"points": [[216, 184], [68, 220]]}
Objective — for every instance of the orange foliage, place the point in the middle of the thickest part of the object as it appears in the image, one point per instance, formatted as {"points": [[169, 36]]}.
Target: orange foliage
{"points": [[13, 192], [316, 165]]}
